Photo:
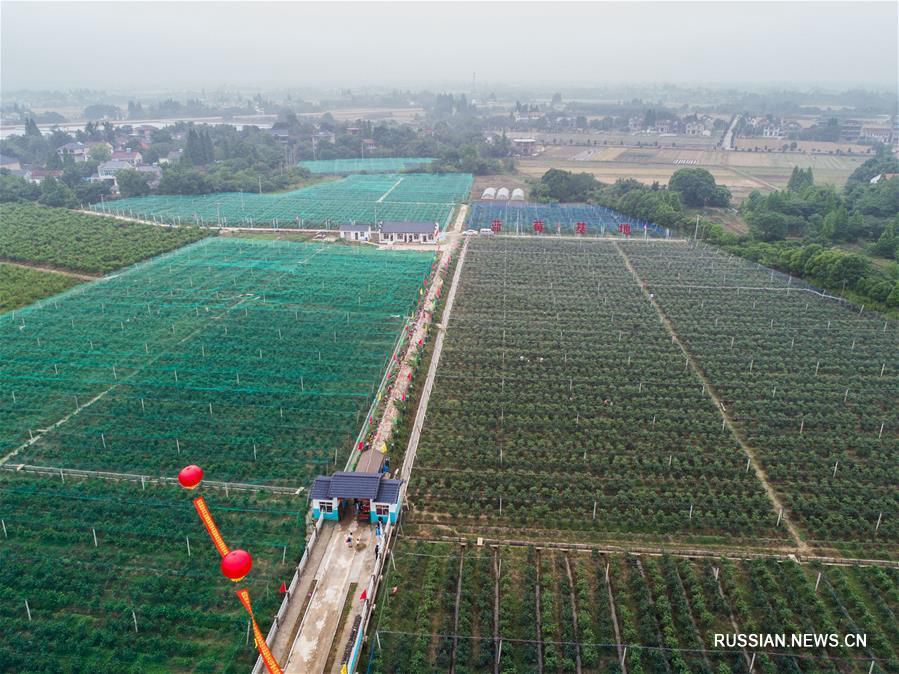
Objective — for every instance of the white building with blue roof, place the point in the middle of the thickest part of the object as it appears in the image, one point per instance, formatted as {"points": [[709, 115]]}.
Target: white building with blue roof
{"points": [[331, 495]]}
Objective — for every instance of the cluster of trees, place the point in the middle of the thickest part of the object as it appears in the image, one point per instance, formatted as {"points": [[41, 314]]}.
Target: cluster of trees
{"points": [[817, 219], [830, 268], [663, 206], [821, 213], [69, 191]]}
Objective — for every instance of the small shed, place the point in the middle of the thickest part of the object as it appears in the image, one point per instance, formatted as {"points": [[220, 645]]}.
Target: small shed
{"points": [[409, 232], [355, 232], [332, 494], [502, 194], [518, 194], [489, 194]]}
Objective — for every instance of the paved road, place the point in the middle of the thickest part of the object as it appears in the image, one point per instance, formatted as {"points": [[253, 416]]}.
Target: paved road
{"points": [[341, 566], [727, 143]]}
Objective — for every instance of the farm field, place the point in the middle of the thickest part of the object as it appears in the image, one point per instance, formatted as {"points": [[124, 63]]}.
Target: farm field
{"points": [[368, 165], [740, 171], [811, 384], [20, 286], [553, 610], [254, 359], [81, 596], [563, 409], [326, 205], [626, 138], [67, 239], [518, 217]]}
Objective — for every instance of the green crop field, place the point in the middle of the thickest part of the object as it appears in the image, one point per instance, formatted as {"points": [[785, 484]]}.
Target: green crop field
{"points": [[89, 243], [356, 198], [811, 383], [368, 165], [563, 407], [522, 610], [255, 359], [560, 393], [81, 596], [20, 286]]}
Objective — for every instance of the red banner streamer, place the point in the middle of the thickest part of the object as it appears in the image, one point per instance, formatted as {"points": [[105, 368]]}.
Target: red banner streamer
{"points": [[270, 663], [206, 517]]}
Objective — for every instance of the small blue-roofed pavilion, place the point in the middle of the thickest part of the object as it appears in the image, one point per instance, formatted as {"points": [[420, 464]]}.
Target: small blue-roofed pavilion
{"points": [[332, 493]]}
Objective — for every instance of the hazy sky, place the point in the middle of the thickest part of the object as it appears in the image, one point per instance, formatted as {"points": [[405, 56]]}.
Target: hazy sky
{"points": [[131, 45]]}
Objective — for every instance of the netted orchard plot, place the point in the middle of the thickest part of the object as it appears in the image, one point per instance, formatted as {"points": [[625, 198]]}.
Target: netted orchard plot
{"points": [[810, 381], [561, 403], [356, 198], [117, 577], [256, 360], [367, 165], [518, 217], [530, 609]]}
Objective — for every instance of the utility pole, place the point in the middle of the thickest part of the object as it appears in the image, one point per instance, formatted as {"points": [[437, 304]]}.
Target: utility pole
{"points": [[696, 229]]}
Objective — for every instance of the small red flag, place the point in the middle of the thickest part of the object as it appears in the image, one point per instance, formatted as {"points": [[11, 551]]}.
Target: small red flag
{"points": [[364, 594], [283, 588]]}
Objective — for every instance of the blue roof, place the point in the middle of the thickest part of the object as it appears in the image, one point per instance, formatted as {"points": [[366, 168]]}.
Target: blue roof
{"points": [[320, 488], [371, 486], [389, 491]]}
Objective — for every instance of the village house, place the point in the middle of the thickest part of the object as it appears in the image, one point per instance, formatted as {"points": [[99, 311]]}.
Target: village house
{"points": [[353, 232], [409, 232], [133, 158], [694, 128], [10, 163], [37, 176], [881, 134], [171, 157]]}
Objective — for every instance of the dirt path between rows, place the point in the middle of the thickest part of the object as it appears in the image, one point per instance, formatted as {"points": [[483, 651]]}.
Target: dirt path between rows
{"points": [[750, 452], [50, 268]]}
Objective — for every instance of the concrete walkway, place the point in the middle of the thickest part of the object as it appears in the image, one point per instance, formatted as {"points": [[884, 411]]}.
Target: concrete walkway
{"points": [[340, 567], [285, 636]]}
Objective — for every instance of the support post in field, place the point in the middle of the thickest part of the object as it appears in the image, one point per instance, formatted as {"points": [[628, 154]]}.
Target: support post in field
{"points": [[748, 460], [880, 433], [28, 610], [691, 511], [780, 515], [876, 526], [94, 532], [5, 535], [594, 510], [817, 581], [187, 540], [134, 617]]}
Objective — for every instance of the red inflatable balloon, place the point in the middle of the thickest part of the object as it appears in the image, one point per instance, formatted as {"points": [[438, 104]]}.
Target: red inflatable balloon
{"points": [[190, 476], [236, 564]]}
